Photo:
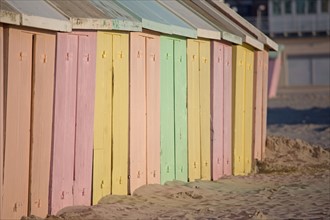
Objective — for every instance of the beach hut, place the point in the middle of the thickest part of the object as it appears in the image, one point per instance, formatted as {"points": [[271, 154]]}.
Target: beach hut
{"points": [[260, 77], [95, 98], [150, 115], [220, 88], [111, 134], [29, 78], [242, 85]]}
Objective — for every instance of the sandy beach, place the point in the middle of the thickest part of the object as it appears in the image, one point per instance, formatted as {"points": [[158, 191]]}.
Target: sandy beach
{"points": [[292, 183]]}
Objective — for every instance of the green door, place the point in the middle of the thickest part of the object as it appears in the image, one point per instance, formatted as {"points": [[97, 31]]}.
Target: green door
{"points": [[173, 109]]}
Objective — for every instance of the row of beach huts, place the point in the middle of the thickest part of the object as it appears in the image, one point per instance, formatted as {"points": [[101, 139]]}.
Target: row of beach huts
{"points": [[101, 97]]}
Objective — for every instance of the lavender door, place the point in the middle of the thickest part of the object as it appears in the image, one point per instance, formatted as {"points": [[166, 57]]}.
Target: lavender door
{"points": [[73, 120], [144, 110], [221, 90], [18, 111]]}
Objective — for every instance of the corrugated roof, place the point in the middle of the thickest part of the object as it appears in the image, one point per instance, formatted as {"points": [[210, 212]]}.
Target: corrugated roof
{"points": [[243, 23], [223, 22], [156, 17], [9, 14], [83, 14], [204, 29], [121, 19], [37, 13]]}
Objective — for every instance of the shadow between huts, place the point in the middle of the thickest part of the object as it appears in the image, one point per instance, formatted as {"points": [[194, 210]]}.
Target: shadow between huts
{"points": [[290, 116]]}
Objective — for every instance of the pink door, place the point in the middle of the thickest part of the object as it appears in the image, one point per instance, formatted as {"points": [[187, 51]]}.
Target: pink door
{"points": [[18, 112], [64, 122], [264, 103], [258, 90], [42, 119], [73, 120], [144, 110], [1, 114], [85, 96], [221, 90]]}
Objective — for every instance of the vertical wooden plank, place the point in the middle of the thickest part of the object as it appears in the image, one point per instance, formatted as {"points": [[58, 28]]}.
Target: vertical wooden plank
{"points": [[138, 130], [64, 122], [167, 115], [180, 100], [248, 110], [84, 118], [103, 118], [153, 109], [205, 111], [18, 112], [42, 122], [194, 138], [2, 90], [238, 108], [258, 89], [264, 103], [120, 114], [217, 107], [227, 111]]}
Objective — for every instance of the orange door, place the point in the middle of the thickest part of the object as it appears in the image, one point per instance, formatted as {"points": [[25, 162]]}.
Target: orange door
{"points": [[41, 123], [18, 112]]}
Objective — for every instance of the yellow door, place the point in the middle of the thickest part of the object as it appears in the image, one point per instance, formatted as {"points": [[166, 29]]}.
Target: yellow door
{"points": [[199, 157], [243, 59], [111, 116], [205, 109]]}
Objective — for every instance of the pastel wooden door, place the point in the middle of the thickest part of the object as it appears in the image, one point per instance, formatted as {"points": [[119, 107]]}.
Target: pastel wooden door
{"points": [[120, 114], [144, 109], [18, 112], [111, 111], [221, 93], [2, 119], [199, 112], [64, 122], [73, 120], [205, 108], [258, 89], [243, 60], [153, 109], [103, 118], [41, 122], [167, 129], [173, 109], [227, 110], [264, 102], [84, 134], [180, 105]]}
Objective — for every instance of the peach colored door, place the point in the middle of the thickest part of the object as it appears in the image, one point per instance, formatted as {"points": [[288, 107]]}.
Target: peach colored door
{"points": [[18, 112], [144, 110], [41, 122]]}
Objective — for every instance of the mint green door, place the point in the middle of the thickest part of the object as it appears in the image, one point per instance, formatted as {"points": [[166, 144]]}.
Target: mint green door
{"points": [[173, 111]]}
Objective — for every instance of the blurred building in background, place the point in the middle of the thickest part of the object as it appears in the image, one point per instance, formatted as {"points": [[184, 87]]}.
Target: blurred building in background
{"points": [[303, 28]]}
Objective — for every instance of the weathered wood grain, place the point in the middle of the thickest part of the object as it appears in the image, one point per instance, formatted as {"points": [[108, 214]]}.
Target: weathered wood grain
{"points": [[18, 112], [64, 122], [42, 122]]}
